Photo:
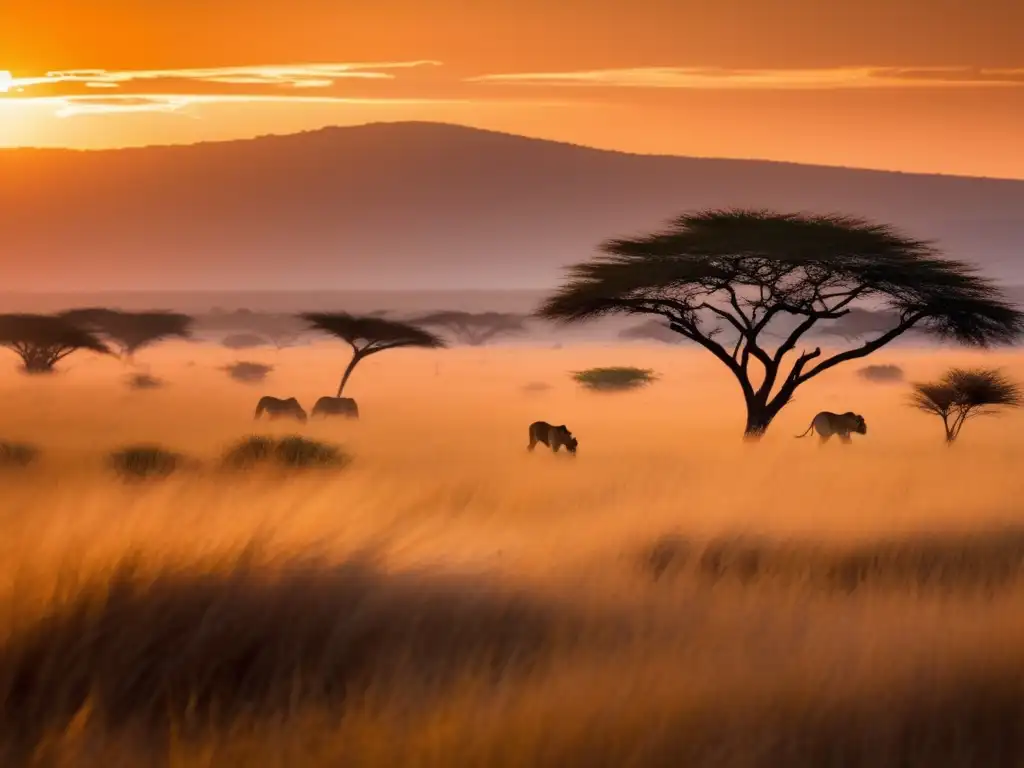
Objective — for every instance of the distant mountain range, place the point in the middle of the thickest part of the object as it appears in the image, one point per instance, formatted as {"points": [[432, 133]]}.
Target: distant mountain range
{"points": [[416, 206]]}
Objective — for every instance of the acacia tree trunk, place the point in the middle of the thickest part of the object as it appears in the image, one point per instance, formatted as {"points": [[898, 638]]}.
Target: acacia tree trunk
{"points": [[947, 428], [348, 371], [759, 417], [37, 361]]}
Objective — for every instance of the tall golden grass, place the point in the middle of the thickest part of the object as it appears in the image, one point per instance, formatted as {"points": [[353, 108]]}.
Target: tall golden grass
{"points": [[671, 596]]}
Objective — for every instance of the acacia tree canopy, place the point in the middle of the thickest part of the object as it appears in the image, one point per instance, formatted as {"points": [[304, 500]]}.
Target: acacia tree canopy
{"points": [[41, 341], [131, 331], [369, 335], [962, 394], [722, 277]]}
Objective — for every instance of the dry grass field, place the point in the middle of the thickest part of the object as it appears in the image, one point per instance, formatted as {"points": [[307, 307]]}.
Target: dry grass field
{"points": [[670, 597]]}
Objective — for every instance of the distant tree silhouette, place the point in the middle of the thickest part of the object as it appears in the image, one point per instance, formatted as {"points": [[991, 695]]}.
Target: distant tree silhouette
{"points": [[735, 271], [243, 341], [42, 341], [474, 328], [881, 373], [369, 335], [277, 329], [859, 323], [282, 338], [651, 330], [962, 394], [131, 331]]}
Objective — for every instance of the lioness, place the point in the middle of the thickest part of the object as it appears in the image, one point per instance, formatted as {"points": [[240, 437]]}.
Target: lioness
{"points": [[827, 424], [553, 437]]}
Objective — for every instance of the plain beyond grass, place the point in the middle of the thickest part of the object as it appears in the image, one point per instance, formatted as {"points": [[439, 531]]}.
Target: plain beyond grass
{"points": [[634, 671]]}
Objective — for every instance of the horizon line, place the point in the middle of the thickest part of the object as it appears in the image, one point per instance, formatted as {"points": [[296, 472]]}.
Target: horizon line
{"points": [[529, 137]]}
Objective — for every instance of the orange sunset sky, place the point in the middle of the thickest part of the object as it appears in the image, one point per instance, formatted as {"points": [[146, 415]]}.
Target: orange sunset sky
{"points": [[916, 85]]}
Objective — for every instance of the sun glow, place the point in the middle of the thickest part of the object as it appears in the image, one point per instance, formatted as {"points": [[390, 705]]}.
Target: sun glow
{"points": [[6, 80]]}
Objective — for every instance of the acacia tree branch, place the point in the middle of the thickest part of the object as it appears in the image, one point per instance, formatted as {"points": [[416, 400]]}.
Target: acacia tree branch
{"points": [[690, 331], [59, 353], [802, 361], [865, 349], [772, 364], [735, 302], [850, 297], [736, 349], [724, 315], [961, 417], [792, 380], [381, 346]]}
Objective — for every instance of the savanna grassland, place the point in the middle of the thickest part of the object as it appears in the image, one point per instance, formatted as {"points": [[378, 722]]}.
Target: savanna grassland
{"points": [[670, 597]]}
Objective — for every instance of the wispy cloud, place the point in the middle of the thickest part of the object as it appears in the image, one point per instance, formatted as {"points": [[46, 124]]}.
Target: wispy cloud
{"points": [[72, 106], [703, 78], [279, 75]]}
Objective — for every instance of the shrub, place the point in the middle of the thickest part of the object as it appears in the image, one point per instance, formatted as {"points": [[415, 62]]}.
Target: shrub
{"points": [[247, 372], [291, 452], [144, 381], [17, 454], [138, 462], [244, 341], [535, 387], [614, 379], [881, 374], [250, 451]]}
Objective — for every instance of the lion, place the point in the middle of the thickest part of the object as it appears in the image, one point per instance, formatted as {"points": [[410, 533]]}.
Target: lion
{"points": [[276, 408], [827, 424], [551, 436], [336, 406]]}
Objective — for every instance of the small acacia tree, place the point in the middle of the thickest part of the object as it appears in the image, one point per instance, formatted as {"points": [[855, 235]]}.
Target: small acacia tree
{"points": [[131, 331], [42, 341], [474, 328], [962, 394], [369, 335], [720, 278]]}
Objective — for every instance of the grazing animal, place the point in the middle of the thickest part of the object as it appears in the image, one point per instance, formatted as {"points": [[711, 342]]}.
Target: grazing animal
{"points": [[336, 406], [276, 408], [827, 424], [553, 437]]}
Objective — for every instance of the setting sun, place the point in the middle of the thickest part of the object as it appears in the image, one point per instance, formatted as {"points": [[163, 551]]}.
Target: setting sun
{"points": [[5, 81]]}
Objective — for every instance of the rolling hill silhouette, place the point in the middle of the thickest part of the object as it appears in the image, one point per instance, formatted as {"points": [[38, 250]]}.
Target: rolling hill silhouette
{"points": [[420, 206]]}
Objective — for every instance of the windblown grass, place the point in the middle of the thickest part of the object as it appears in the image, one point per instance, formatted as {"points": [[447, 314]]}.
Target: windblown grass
{"points": [[674, 597]]}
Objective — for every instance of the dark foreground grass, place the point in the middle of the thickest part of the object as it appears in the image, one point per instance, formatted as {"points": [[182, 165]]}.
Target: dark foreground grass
{"points": [[317, 664], [147, 651]]}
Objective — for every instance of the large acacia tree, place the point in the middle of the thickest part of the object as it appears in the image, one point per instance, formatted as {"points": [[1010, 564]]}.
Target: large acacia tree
{"points": [[369, 335], [42, 341], [721, 278], [131, 331]]}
